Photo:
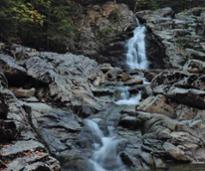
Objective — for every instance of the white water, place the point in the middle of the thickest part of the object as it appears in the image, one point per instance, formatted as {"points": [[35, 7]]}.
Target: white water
{"points": [[136, 51], [130, 101], [126, 99], [105, 156]]}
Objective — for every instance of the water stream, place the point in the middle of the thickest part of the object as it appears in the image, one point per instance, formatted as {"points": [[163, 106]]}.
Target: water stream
{"points": [[127, 98], [106, 155], [136, 50]]}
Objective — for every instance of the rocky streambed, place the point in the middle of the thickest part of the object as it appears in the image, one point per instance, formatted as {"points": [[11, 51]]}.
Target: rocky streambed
{"points": [[59, 111]]}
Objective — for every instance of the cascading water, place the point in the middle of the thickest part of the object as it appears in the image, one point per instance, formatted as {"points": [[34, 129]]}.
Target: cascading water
{"points": [[136, 51], [127, 99], [106, 153], [136, 59]]}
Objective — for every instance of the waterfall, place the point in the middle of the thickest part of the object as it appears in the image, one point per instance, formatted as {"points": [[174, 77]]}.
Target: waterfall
{"points": [[106, 152], [127, 99], [136, 51]]}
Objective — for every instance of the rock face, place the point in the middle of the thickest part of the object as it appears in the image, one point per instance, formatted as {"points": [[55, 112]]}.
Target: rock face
{"points": [[104, 31], [180, 35], [19, 147], [58, 91]]}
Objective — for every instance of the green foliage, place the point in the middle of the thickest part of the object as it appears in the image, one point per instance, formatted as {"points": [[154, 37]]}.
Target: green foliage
{"points": [[39, 23], [147, 4], [104, 33], [115, 16], [179, 5], [25, 13]]}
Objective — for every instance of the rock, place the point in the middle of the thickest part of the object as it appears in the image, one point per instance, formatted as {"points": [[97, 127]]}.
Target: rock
{"points": [[181, 87], [147, 158], [8, 131], [22, 52], [106, 67], [26, 93], [129, 122], [163, 81], [36, 165], [195, 66], [2, 46], [112, 75], [10, 67], [4, 109], [133, 81], [177, 36], [59, 129], [185, 138], [175, 152], [67, 77], [190, 97], [157, 122], [40, 69], [184, 112], [20, 149], [158, 104], [194, 54], [168, 78], [159, 163], [104, 30]]}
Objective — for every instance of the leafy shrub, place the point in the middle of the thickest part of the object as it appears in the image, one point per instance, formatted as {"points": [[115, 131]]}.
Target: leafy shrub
{"points": [[41, 23]]}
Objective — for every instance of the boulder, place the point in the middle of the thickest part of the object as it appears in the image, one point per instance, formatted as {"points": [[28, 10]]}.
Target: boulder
{"points": [[175, 152], [195, 66], [20, 148], [157, 104]]}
